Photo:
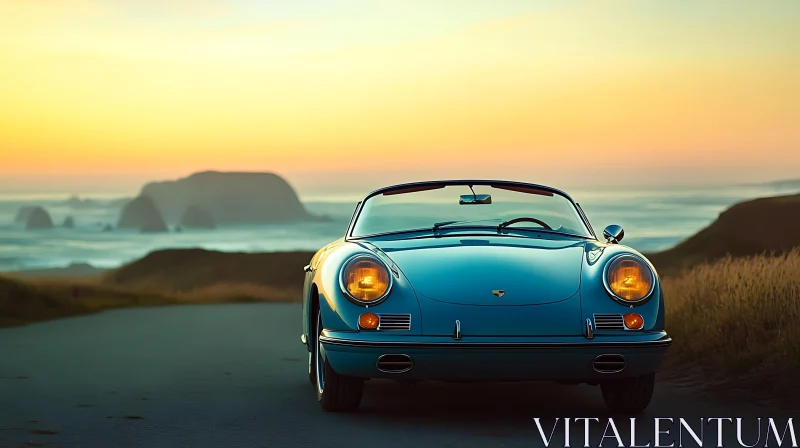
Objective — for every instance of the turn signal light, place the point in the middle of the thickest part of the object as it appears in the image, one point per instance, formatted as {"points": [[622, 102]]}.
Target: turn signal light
{"points": [[368, 321], [634, 321]]}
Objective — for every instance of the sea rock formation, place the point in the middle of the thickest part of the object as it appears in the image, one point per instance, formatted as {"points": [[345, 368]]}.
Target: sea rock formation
{"points": [[38, 218], [23, 213], [143, 214], [76, 202], [118, 203], [69, 223], [196, 218], [229, 198]]}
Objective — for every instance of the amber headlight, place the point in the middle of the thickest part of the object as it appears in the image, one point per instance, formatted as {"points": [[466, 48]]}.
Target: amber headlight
{"points": [[629, 279], [365, 279]]}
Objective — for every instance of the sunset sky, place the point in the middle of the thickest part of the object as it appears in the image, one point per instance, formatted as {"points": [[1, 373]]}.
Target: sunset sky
{"points": [[102, 92]]}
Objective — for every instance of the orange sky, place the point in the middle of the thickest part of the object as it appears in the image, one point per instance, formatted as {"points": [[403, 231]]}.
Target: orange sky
{"points": [[563, 91]]}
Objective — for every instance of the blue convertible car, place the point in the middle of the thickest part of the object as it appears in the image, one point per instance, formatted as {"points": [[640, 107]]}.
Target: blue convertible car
{"points": [[481, 280]]}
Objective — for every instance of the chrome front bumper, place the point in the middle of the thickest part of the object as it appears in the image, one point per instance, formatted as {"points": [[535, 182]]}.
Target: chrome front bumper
{"points": [[493, 358]]}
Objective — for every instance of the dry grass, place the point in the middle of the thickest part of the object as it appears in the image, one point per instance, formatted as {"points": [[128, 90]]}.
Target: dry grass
{"points": [[187, 270], [239, 292], [22, 302], [165, 277], [737, 320]]}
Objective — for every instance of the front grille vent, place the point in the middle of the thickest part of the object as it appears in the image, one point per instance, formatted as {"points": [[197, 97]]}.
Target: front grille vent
{"points": [[394, 363], [608, 322], [609, 364], [394, 321]]}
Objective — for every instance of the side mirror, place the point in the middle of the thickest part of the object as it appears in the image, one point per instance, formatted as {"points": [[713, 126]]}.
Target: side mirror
{"points": [[474, 199], [613, 234]]}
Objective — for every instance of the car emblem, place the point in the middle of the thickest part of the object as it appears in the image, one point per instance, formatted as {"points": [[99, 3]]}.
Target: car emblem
{"points": [[498, 292]]}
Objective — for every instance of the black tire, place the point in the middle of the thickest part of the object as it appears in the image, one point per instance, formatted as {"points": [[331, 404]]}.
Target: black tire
{"points": [[335, 393], [629, 395]]}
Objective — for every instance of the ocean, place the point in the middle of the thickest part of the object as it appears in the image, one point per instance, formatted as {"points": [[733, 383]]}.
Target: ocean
{"points": [[653, 218]]}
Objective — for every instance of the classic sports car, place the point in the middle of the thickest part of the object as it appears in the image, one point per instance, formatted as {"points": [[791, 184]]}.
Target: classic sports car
{"points": [[481, 280]]}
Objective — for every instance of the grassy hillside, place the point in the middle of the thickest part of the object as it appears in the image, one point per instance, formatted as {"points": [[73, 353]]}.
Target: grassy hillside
{"points": [[733, 299], [210, 275], [20, 302], [736, 321], [73, 271], [165, 277], [23, 301], [746, 229]]}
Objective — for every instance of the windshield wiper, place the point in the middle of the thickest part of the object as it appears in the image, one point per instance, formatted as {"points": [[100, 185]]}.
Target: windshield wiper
{"points": [[442, 224], [439, 225], [552, 231]]}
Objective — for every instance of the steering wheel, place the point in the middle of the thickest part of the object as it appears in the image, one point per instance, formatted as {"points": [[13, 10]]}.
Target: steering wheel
{"points": [[524, 219]]}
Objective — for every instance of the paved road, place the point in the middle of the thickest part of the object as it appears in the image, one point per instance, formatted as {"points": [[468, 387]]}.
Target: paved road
{"points": [[235, 376]]}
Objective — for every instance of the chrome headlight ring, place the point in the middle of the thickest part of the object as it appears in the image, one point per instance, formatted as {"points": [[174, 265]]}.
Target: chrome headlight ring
{"points": [[354, 259], [614, 295]]}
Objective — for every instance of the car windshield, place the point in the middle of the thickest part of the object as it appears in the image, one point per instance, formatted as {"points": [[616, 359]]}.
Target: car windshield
{"points": [[446, 207]]}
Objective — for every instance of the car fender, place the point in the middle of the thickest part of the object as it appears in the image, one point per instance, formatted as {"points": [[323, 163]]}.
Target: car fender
{"points": [[339, 312], [595, 299]]}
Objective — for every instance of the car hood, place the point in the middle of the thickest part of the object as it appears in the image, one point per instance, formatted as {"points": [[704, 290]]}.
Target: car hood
{"points": [[473, 271]]}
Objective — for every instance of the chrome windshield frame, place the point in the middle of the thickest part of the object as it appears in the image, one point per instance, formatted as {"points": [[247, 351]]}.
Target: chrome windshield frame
{"points": [[444, 183]]}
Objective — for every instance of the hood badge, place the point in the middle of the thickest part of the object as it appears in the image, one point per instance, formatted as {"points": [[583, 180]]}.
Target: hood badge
{"points": [[498, 292]]}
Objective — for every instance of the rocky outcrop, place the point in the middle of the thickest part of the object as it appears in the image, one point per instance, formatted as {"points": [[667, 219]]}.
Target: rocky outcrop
{"points": [[38, 218], [77, 202], [23, 213], [143, 214], [118, 203], [229, 198], [196, 218], [69, 223]]}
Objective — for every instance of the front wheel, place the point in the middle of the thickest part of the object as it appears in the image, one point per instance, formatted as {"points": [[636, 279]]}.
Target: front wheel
{"points": [[335, 393], [629, 395]]}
